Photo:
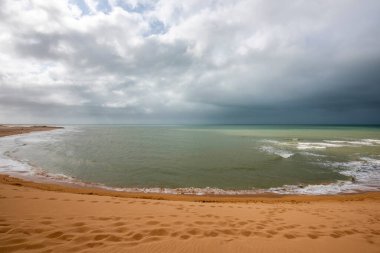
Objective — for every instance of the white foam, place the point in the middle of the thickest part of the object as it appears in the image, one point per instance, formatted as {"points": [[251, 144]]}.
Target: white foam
{"points": [[320, 189], [337, 144], [9, 165], [323, 189], [11, 144], [363, 142], [373, 141], [276, 151], [311, 154], [365, 171], [317, 145]]}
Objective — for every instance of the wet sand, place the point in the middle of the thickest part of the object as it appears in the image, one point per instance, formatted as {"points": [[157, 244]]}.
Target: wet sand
{"points": [[42, 217]]}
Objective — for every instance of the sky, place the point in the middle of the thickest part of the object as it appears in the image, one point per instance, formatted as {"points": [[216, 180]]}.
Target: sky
{"points": [[190, 62]]}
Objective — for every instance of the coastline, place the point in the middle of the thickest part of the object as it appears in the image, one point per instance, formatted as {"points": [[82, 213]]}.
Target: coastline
{"points": [[256, 198], [87, 189], [7, 130], [49, 217]]}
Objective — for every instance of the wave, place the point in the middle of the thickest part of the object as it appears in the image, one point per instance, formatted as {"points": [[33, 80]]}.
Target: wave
{"points": [[363, 171], [317, 145], [320, 189], [305, 153], [302, 145], [365, 175], [11, 144], [275, 151], [337, 144], [323, 189]]}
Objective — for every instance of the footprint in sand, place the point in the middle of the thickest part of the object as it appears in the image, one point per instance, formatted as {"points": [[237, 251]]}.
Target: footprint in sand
{"points": [[121, 230], [81, 229], [158, 232], [174, 234], [55, 234], [100, 237], [46, 222], [113, 238], [210, 234], [97, 231], [184, 237], [194, 231], [313, 236], [118, 224], [246, 233], [94, 244], [35, 246], [137, 237], [289, 236], [152, 222], [79, 224]]}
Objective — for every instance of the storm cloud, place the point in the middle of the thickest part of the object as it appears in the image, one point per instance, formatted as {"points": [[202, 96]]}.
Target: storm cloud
{"points": [[127, 61]]}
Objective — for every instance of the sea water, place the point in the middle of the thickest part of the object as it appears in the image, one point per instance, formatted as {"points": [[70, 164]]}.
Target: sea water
{"points": [[221, 159]]}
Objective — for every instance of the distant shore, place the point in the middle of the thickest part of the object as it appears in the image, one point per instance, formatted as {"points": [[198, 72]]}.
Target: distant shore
{"points": [[6, 130]]}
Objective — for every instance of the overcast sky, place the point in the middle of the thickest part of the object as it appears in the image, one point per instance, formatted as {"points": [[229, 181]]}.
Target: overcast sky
{"points": [[193, 61]]}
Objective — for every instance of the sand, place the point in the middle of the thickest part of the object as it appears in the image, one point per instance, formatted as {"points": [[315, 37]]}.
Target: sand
{"points": [[41, 217], [6, 130]]}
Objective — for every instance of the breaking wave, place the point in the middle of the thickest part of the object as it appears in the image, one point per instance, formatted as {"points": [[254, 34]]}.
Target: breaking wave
{"points": [[276, 151]]}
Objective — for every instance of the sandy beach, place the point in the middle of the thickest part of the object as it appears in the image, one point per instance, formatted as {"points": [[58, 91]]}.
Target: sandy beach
{"points": [[6, 130], [42, 217]]}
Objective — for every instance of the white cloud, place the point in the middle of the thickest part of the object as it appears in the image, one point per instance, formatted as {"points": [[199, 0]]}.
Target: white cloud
{"points": [[192, 58]]}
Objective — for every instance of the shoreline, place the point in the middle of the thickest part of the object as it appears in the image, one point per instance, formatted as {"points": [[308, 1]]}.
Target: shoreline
{"points": [[8, 130], [53, 217], [217, 198]]}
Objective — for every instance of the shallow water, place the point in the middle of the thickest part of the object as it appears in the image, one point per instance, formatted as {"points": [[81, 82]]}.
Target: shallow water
{"points": [[218, 159]]}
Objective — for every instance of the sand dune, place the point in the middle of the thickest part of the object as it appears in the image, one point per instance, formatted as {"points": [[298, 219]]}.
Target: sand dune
{"points": [[46, 221]]}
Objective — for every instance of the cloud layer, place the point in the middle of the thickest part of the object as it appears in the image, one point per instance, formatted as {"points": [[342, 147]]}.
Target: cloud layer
{"points": [[125, 61]]}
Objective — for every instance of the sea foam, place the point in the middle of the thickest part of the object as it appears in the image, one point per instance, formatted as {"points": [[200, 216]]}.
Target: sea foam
{"points": [[276, 151]]}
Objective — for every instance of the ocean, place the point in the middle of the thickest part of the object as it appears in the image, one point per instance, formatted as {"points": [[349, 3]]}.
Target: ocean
{"points": [[202, 159]]}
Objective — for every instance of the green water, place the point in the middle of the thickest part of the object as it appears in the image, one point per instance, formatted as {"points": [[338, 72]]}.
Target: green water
{"points": [[223, 157]]}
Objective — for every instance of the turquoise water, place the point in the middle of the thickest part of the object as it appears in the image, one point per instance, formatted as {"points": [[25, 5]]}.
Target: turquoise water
{"points": [[217, 159]]}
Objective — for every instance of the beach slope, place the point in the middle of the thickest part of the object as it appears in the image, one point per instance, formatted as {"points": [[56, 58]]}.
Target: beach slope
{"points": [[47, 221]]}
